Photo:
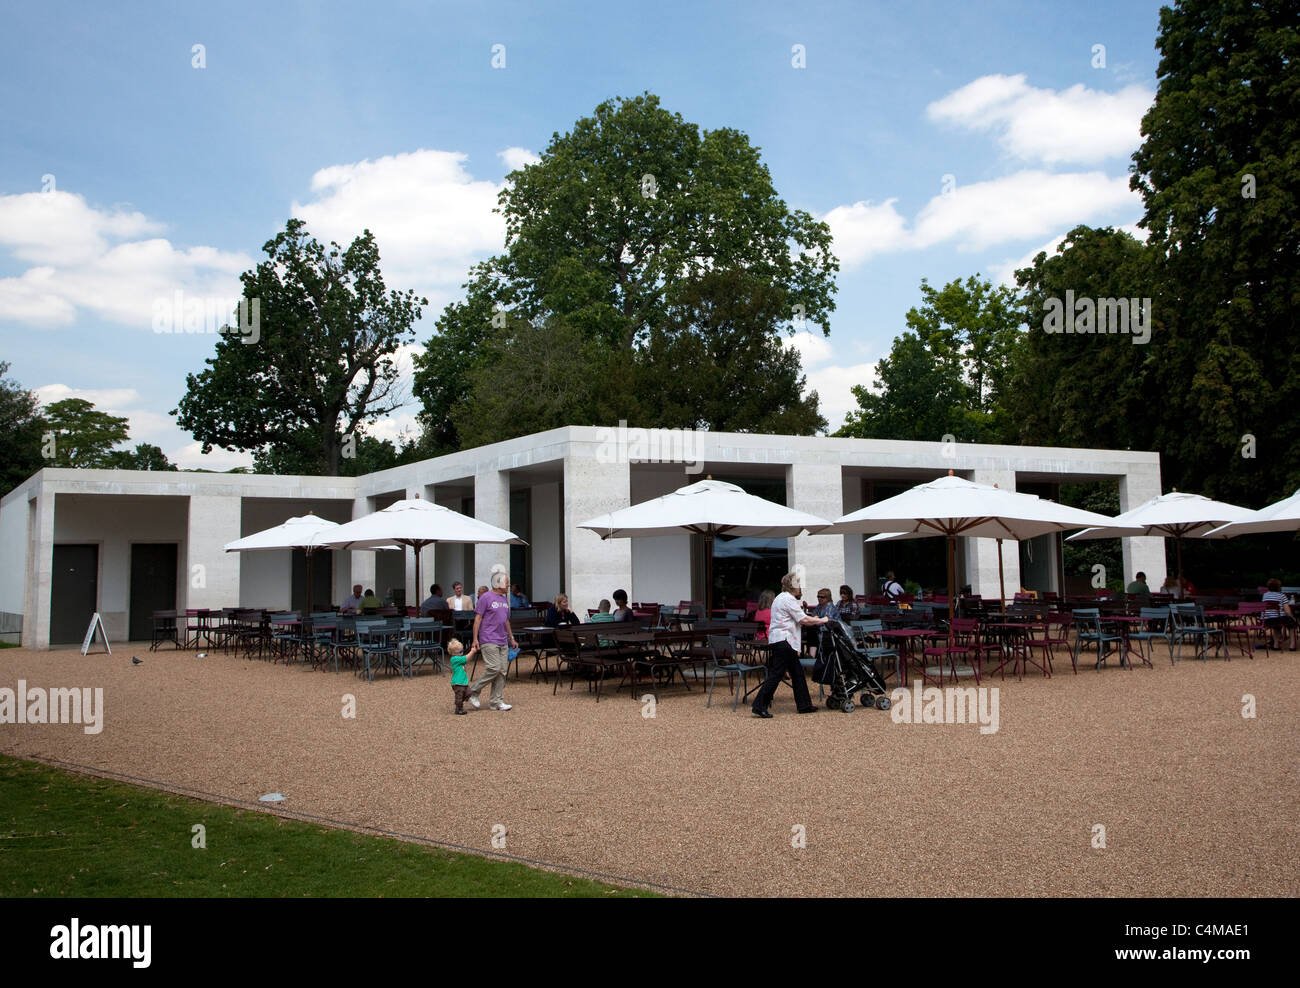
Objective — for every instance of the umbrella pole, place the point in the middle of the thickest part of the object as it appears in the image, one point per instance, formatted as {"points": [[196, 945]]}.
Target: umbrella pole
{"points": [[1179, 542], [952, 572], [708, 577], [1002, 587], [310, 557], [416, 548]]}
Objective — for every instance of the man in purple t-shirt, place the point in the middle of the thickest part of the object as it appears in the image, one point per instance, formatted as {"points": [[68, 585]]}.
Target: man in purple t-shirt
{"points": [[491, 635]]}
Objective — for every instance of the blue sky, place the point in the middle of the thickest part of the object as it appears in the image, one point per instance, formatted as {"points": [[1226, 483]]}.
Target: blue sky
{"points": [[167, 177]]}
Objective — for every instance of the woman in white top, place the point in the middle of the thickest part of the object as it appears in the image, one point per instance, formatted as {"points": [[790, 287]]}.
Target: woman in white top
{"points": [[784, 632]]}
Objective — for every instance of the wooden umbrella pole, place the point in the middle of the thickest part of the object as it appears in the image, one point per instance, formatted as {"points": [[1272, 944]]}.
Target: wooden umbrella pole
{"points": [[1002, 587], [708, 576], [952, 571]]}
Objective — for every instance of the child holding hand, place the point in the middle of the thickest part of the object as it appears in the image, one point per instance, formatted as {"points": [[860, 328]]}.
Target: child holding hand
{"points": [[459, 679]]}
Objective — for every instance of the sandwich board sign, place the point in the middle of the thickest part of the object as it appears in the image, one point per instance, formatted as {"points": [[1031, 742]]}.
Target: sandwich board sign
{"points": [[96, 623]]}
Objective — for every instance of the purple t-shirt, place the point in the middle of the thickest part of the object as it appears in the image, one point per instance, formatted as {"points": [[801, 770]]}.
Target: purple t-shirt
{"points": [[495, 626]]}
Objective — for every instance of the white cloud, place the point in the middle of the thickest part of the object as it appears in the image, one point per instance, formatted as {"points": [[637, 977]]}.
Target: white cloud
{"points": [[190, 457], [1078, 124], [431, 219], [833, 382], [861, 230], [61, 230], [515, 158], [1020, 206], [78, 270]]}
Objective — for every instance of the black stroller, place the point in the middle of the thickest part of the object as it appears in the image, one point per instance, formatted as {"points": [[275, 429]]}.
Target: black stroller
{"points": [[846, 669]]}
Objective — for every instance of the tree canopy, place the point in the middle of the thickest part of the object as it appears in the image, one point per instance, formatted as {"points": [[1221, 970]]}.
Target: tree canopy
{"points": [[616, 240], [21, 428], [321, 363]]}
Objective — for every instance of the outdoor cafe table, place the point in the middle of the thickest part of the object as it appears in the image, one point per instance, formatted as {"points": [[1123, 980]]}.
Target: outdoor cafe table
{"points": [[1123, 624], [1015, 637], [541, 638], [907, 639], [672, 649]]}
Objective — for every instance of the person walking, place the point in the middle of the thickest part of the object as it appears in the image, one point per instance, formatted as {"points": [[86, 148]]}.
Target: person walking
{"points": [[491, 635], [784, 633]]}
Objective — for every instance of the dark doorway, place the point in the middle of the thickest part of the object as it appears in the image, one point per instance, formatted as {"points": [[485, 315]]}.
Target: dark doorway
{"points": [[153, 585], [322, 580], [74, 592]]}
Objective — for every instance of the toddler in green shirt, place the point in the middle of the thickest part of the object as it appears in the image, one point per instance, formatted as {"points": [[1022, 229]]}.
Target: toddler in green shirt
{"points": [[459, 678]]}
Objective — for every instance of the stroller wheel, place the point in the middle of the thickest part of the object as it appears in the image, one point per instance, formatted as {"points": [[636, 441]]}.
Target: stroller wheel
{"points": [[848, 706], [882, 702]]}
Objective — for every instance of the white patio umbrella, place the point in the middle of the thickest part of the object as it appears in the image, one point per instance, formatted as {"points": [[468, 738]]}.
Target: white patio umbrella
{"points": [[709, 508], [1280, 516], [416, 523], [1175, 515], [303, 533], [952, 507]]}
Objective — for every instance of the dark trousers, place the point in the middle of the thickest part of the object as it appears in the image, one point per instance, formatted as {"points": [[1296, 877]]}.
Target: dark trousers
{"points": [[460, 693], [784, 659]]}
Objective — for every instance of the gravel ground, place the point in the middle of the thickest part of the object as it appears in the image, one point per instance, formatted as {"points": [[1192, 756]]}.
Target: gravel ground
{"points": [[1195, 799]]}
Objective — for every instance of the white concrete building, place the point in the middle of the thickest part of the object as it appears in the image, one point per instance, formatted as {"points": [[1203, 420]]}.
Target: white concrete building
{"points": [[125, 543]]}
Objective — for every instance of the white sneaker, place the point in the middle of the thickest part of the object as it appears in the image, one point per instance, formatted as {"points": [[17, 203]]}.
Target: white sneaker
{"points": [[501, 706], [473, 701]]}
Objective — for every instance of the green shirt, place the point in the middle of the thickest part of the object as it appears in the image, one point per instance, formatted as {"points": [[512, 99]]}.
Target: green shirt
{"points": [[1138, 587], [458, 674]]}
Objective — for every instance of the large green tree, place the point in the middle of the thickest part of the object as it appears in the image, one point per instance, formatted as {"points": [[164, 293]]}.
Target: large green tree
{"points": [[1219, 173], [21, 427], [82, 435], [610, 236], [948, 374], [1089, 390], [319, 366], [145, 456]]}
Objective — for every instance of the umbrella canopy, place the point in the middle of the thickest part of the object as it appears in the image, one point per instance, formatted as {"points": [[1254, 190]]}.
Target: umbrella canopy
{"points": [[709, 508], [303, 533], [953, 506], [1281, 516], [297, 533], [1175, 515], [416, 523]]}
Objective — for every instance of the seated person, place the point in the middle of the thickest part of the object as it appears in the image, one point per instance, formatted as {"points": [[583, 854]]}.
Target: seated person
{"points": [[558, 614], [458, 601], [370, 604], [892, 588], [352, 604], [846, 607], [764, 614], [435, 601], [517, 597], [1139, 585], [603, 614], [621, 611], [478, 594], [1278, 615]]}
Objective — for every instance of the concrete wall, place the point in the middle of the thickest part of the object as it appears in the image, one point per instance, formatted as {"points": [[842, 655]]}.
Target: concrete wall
{"points": [[814, 468], [15, 519], [115, 524], [546, 528]]}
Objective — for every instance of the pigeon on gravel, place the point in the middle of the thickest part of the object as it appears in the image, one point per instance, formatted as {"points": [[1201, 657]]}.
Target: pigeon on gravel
{"points": [[135, 661]]}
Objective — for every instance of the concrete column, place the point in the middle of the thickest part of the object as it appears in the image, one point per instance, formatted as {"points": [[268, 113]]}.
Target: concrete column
{"points": [[362, 563], [855, 563], [213, 521], [982, 554], [40, 580], [817, 488], [491, 505], [594, 568], [1147, 554]]}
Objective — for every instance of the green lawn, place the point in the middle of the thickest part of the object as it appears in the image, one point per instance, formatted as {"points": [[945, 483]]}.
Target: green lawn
{"points": [[63, 834]]}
